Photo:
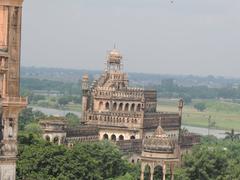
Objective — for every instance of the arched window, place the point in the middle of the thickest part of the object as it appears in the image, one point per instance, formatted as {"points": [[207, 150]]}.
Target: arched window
{"points": [[10, 128], [158, 172], [120, 108], [138, 107], [100, 107], [47, 138], [121, 138], [107, 106], [132, 107], [105, 136], [62, 140], [132, 137], [147, 171], [113, 137], [115, 106], [55, 140], [126, 107]]}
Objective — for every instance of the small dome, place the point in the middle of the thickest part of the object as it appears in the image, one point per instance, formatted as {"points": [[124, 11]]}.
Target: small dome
{"points": [[114, 57], [159, 142], [85, 77]]}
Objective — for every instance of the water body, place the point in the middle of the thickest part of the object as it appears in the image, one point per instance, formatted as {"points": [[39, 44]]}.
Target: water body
{"points": [[204, 131], [54, 112], [197, 130]]}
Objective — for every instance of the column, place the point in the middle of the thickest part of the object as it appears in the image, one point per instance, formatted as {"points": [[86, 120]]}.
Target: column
{"points": [[164, 171], [151, 172], [172, 171], [142, 172], [4, 85]]}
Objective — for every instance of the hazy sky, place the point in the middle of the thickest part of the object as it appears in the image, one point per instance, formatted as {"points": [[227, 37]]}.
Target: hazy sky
{"points": [[155, 36]]}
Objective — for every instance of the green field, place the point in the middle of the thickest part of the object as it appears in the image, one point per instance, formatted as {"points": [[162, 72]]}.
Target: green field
{"points": [[226, 115]]}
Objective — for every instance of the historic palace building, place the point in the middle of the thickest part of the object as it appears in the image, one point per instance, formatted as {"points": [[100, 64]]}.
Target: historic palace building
{"points": [[127, 116], [11, 102], [122, 112]]}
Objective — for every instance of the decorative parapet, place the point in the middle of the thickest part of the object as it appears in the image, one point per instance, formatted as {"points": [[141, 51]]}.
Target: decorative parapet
{"points": [[130, 146]]}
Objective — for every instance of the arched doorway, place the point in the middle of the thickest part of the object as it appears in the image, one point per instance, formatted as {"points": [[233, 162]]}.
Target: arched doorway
{"points": [[126, 107], [47, 138], [55, 140], [158, 173], [132, 107], [100, 107], [147, 172], [113, 137], [105, 136], [121, 138], [132, 137], [107, 106], [120, 108], [114, 106], [138, 107]]}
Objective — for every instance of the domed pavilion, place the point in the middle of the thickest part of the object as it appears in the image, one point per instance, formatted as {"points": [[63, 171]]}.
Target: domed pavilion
{"points": [[159, 151]]}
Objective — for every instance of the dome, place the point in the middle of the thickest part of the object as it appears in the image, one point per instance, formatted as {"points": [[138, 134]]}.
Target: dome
{"points": [[159, 142], [114, 57], [85, 77]]}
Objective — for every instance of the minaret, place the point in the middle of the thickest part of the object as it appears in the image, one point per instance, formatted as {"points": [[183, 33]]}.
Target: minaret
{"points": [[11, 102], [180, 108], [85, 96]]}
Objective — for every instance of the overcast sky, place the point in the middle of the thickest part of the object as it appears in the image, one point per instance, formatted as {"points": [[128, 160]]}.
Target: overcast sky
{"points": [[198, 37]]}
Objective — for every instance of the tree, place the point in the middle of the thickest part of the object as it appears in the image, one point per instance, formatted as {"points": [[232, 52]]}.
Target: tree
{"points": [[200, 106], [33, 128], [232, 136], [213, 159], [25, 117], [63, 101], [28, 116], [73, 119], [44, 160]]}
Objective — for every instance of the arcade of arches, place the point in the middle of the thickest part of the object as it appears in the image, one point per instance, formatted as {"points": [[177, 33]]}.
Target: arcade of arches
{"points": [[117, 137], [152, 170], [55, 138], [127, 107]]}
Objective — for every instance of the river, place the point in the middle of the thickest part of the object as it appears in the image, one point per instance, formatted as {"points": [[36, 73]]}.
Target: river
{"points": [[197, 130]]}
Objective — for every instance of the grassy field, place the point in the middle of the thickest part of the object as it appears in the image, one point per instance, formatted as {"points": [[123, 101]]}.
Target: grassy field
{"points": [[226, 115]]}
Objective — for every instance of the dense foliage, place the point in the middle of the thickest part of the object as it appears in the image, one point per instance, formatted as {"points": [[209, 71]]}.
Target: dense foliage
{"points": [[200, 106], [42, 160], [68, 88], [196, 92], [212, 160], [28, 116]]}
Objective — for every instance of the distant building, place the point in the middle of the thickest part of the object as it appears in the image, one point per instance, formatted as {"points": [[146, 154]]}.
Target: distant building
{"points": [[54, 129], [128, 117], [121, 112]]}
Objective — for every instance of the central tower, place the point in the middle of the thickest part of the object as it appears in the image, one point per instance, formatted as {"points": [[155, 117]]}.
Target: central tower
{"points": [[10, 102]]}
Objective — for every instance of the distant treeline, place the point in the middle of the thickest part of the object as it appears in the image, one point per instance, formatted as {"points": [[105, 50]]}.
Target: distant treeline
{"points": [[165, 90], [65, 88], [196, 92]]}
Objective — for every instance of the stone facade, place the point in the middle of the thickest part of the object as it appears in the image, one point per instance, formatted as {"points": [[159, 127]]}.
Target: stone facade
{"points": [[11, 103], [159, 151], [120, 111], [54, 129]]}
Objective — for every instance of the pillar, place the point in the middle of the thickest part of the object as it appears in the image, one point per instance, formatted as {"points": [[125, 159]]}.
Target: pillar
{"points": [[142, 171], [151, 172], [164, 171], [172, 171]]}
